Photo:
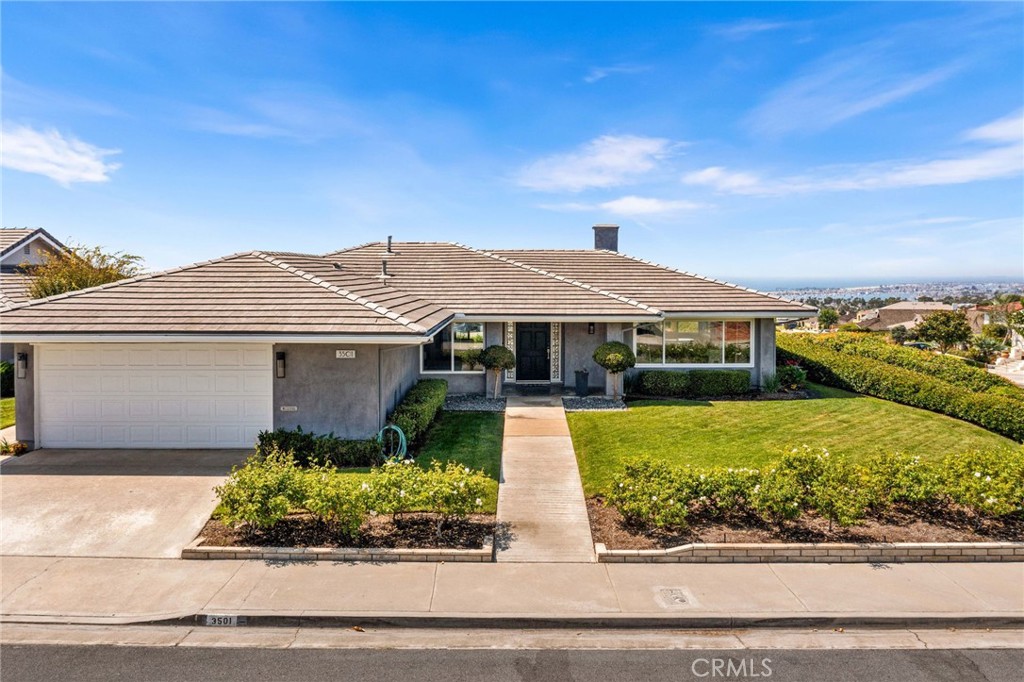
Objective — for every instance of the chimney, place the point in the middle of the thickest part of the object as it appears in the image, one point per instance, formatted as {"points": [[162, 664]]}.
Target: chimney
{"points": [[606, 237]]}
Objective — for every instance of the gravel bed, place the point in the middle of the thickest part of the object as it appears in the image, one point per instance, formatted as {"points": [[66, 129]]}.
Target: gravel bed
{"points": [[473, 403], [592, 402]]}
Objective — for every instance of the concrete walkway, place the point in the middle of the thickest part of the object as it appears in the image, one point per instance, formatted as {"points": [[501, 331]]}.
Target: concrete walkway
{"points": [[8, 434], [540, 501]]}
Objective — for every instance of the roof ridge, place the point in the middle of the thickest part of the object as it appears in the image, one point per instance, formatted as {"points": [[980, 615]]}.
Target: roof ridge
{"points": [[706, 279], [32, 232], [562, 278], [350, 248], [131, 280], [345, 293]]}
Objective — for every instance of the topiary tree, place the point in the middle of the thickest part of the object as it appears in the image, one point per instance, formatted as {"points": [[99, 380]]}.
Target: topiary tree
{"points": [[827, 318], [496, 359], [898, 334], [947, 328], [616, 357]]}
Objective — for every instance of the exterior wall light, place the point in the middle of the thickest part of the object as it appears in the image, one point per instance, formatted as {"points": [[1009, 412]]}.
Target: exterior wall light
{"points": [[279, 364], [22, 370], [590, 328]]}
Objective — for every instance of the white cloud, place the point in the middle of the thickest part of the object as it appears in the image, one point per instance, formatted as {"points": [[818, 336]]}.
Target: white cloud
{"points": [[841, 86], [601, 72], [630, 206], [741, 30], [63, 159], [1003, 161], [606, 161]]}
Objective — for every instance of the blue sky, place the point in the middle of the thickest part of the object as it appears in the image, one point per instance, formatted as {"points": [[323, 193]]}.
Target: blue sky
{"points": [[744, 141]]}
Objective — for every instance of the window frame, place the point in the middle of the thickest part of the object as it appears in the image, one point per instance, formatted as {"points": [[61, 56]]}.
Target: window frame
{"points": [[701, 365], [451, 354]]}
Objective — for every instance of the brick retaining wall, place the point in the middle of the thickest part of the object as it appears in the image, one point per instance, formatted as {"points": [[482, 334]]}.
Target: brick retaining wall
{"points": [[899, 552], [195, 550]]}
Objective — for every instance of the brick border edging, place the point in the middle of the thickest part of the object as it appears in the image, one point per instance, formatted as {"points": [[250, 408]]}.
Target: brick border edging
{"points": [[826, 552], [195, 550]]}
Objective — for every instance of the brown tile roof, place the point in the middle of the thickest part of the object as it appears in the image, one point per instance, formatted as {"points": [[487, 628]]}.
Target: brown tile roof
{"points": [[11, 238], [13, 287], [664, 288], [477, 283], [248, 293]]}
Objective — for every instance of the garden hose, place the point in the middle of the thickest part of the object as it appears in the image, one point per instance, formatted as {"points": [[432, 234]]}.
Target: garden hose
{"points": [[396, 454]]}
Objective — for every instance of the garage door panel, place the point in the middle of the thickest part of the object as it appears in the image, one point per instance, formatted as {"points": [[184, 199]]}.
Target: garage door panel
{"points": [[168, 395]]}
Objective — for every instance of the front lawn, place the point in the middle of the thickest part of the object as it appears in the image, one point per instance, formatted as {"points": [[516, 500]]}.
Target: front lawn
{"points": [[750, 433], [6, 412]]}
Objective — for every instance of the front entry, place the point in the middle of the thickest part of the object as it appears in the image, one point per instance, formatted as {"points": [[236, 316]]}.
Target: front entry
{"points": [[533, 348]]}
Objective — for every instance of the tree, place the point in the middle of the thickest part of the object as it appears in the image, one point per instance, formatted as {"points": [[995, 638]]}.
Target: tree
{"points": [[616, 357], [898, 333], [80, 267], [827, 318], [947, 328], [496, 359]]}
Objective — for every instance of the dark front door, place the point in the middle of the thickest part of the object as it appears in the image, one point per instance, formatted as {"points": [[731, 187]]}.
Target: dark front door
{"points": [[532, 359]]}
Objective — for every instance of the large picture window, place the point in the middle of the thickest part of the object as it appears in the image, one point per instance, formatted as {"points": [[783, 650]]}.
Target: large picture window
{"points": [[456, 348], [693, 342]]}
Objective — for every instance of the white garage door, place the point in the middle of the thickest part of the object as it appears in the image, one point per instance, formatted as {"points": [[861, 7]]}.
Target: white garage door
{"points": [[143, 395]]}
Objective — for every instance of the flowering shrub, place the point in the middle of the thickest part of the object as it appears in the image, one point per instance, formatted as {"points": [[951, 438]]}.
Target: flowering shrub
{"points": [[791, 376], [396, 488], [778, 496], [453, 492], [987, 483], [262, 492], [646, 493], [335, 499], [14, 448], [899, 479]]}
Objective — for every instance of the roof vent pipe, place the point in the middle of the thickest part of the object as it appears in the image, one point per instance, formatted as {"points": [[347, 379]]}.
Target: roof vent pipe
{"points": [[389, 244], [606, 237], [384, 270]]}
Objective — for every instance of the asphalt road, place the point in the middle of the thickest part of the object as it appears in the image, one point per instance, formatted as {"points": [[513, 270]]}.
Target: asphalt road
{"points": [[20, 663]]}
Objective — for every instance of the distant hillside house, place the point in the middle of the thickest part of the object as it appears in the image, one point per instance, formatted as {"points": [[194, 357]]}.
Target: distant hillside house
{"points": [[905, 313]]}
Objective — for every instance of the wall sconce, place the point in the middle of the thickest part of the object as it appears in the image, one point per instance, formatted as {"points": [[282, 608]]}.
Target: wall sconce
{"points": [[279, 364], [590, 328], [22, 365]]}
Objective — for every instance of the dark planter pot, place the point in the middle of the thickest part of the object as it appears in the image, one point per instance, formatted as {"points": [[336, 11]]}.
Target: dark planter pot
{"points": [[582, 382]]}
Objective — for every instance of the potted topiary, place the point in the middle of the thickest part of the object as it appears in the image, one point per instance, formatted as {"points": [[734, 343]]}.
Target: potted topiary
{"points": [[497, 359], [616, 357]]}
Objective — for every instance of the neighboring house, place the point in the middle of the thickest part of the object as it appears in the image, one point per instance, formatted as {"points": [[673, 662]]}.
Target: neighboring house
{"points": [[208, 355], [20, 248], [905, 313], [979, 316]]}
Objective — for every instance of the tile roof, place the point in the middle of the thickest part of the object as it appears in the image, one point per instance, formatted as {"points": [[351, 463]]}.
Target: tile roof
{"points": [[664, 288], [478, 283], [13, 287], [247, 293], [11, 238]]}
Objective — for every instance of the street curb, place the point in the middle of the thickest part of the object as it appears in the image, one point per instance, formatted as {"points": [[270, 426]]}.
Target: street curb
{"points": [[721, 621]]}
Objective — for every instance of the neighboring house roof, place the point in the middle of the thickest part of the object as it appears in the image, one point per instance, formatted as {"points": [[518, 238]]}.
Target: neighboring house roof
{"points": [[664, 288], [249, 293], [14, 286], [344, 294], [14, 282], [11, 239], [918, 306]]}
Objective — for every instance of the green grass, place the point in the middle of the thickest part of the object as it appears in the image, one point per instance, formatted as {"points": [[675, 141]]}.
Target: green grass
{"points": [[6, 412], [750, 433], [472, 439]]}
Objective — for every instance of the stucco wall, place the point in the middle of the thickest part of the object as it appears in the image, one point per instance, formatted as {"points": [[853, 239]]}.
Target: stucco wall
{"points": [[343, 396], [39, 251], [578, 353], [400, 369], [24, 405]]}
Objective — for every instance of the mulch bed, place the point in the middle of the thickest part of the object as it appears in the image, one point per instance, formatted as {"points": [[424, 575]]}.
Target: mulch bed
{"points": [[413, 531], [899, 525]]}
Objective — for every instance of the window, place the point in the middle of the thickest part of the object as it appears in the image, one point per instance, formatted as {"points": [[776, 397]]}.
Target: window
{"points": [[456, 348], [693, 342]]}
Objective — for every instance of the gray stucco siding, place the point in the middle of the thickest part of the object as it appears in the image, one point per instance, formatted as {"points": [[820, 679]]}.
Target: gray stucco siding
{"points": [[578, 347], [25, 402]]}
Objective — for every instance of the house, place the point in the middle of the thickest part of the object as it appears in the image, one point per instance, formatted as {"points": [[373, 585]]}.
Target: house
{"points": [[905, 313], [19, 249], [209, 354]]}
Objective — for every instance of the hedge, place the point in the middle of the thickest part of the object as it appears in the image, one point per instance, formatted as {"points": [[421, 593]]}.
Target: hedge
{"points": [[825, 365], [419, 408], [951, 370], [414, 414], [695, 383], [6, 379]]}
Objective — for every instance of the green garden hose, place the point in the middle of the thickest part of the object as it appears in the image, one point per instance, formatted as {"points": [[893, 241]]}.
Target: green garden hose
{"points": [[393, 450]]}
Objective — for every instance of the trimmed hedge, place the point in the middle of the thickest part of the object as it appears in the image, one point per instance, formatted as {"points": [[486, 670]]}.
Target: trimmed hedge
{"points": [[695, 383], [873, 377], [413, 415], [419, 408], [6, 379], [950, 370]]}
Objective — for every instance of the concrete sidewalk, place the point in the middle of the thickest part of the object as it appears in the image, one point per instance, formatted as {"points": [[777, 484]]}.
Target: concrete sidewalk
{"points": [[540, 500], [117, 591]]}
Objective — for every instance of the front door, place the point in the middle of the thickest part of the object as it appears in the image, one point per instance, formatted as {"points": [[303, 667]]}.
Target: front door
{"points": [[533, 340]]}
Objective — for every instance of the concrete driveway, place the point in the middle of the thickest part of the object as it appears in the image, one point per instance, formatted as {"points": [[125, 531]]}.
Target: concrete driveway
{"points": [[108, 503]]}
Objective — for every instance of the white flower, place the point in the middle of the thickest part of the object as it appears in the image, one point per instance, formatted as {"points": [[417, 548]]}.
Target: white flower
{"points": [[988, 478], [479, 502], [621, 484], [977, 474], [467, 470], [401, 493], [365, 486], [654, 498], [990, 500]]}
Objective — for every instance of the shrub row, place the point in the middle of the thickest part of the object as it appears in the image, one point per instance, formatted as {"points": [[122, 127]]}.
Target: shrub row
{"points": [[824, 365], [695, 383], [413, 415], [6, 379], [266, 489], [419, 408], [950, 370], [653, 493]]}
